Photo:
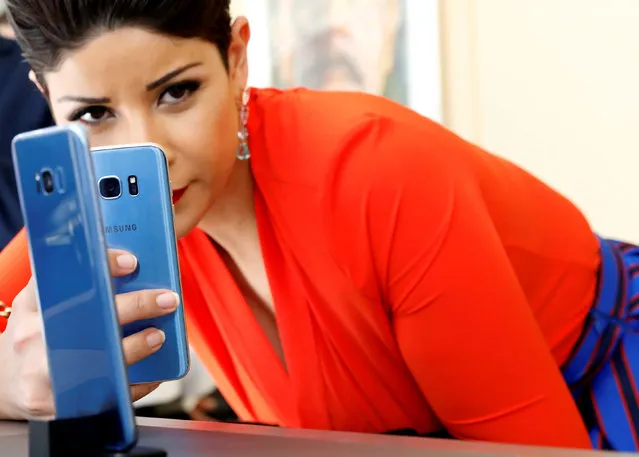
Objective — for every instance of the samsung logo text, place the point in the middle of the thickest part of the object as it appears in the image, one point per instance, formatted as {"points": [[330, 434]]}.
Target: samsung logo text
{"points": [[120, 228]]}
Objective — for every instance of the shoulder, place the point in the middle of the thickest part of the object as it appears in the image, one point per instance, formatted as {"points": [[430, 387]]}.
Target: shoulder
{"points": [[302, 135], [396, 181], [348, 154], [367, 175]]}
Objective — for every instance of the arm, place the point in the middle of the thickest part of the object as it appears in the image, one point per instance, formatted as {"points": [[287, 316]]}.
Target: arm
{"points": [[401, 192], [15, 270]]}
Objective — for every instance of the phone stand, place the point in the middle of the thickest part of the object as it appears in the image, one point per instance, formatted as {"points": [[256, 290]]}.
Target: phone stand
{"points": [[77, 437]]}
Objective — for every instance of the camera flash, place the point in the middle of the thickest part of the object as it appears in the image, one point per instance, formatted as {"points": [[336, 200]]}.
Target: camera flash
{"points": [[133, 185]]}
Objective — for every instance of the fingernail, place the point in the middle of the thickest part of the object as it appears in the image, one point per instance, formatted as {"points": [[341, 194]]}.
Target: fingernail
{"points": [[155, 339], [168, 300], [127, 261]]}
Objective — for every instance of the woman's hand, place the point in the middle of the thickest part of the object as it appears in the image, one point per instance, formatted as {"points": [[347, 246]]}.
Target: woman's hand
{"points": [[25, 388]]}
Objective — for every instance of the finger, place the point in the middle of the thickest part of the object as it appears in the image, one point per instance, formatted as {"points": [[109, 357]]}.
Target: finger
{"points": [[26, 300], [208, 404], [37, 407], [197, 414], [142, 390], [145, 304], [35, 384], [26, 333], [121, 263], [142, 344]]}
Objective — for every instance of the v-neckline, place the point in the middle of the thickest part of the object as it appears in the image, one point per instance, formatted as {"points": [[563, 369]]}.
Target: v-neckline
{"points": [[247, 337], [282, 388]]}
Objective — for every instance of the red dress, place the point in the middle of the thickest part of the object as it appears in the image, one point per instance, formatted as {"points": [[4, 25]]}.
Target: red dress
{"points": [[418, 280]]}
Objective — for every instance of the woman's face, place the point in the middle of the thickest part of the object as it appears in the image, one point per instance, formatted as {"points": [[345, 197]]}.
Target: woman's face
{"points": [[131, 86]]}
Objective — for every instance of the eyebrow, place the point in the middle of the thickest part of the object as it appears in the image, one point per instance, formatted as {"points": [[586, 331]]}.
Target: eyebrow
{"points": [[149, 87], [169, 76], [85, 100]]}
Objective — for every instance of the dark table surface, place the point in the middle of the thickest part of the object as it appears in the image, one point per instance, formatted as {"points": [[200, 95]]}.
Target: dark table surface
{"points": [[195, 439]]}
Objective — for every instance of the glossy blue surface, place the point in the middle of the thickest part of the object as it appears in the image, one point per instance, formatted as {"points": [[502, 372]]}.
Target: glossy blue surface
{"points": [[73, 282], [143, 225]]}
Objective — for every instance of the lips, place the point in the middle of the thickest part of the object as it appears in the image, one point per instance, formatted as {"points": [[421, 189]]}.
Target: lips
{"points": [[177, 194]]}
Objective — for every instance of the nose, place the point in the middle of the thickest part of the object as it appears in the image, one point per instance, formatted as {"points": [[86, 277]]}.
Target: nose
{"points": [[147, 130]]}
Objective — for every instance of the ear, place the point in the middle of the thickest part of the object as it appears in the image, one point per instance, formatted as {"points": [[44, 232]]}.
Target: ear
{"points": [[34, 80], [238, 56]]}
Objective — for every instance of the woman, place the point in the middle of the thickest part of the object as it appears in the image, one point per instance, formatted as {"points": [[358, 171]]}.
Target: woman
{"points": [[347, 264]]}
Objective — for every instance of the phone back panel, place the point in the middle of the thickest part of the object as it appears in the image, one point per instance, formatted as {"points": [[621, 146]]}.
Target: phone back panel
{"points": [[143, 225], [73, 282]]}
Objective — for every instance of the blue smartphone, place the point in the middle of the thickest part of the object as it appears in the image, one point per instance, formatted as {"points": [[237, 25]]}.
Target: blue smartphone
{"points": [[135, 198], [67, 249]]}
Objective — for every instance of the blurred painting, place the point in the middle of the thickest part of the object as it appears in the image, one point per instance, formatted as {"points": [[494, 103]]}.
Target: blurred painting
{"points": [[338, 45], [354, 45]]}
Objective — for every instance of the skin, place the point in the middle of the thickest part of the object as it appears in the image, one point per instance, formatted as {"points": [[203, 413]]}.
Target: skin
{"points": [[26, 389], [176, 93], [193, 116], [6, 30]]}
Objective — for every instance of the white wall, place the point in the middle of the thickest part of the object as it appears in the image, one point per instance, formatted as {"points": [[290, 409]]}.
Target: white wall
{"points": [[423, 55], [554, 86]]}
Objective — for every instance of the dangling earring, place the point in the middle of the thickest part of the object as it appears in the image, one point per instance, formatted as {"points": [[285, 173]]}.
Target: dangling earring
{"points": [[243, 151]]}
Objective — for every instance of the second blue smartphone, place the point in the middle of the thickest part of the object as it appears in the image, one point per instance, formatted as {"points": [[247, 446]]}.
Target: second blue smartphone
{"points": [[135, 198], [68, 255]]}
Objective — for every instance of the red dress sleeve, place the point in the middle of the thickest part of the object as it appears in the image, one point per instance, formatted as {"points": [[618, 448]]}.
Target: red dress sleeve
{"points": [[15, 270], [403, 199]]}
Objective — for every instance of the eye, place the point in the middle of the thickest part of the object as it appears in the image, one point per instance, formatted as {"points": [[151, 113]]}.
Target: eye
{"points": [[178, 92], [91, 114]]}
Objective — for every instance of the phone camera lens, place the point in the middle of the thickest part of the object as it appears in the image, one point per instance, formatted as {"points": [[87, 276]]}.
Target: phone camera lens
{"points": [[110, 187], [47, 182]]}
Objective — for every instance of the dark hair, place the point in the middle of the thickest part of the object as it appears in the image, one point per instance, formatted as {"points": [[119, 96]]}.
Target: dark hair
{"points": [[46, 29]]}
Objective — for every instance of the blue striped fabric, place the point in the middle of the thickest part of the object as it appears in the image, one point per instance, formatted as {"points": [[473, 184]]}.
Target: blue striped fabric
{"points": [[603, 369]]}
